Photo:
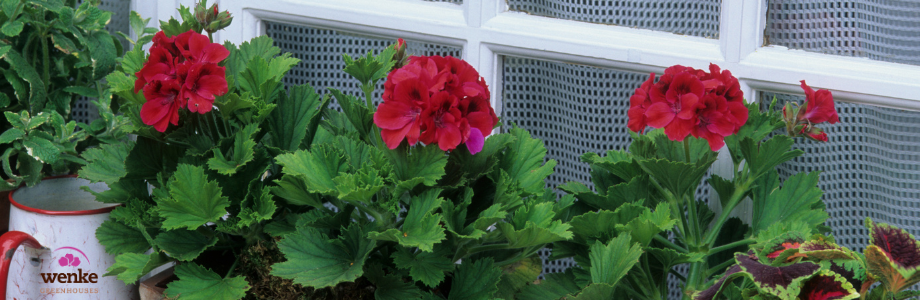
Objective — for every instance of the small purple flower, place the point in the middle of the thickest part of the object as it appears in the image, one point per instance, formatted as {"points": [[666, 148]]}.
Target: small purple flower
{"points": [[69, 260]]}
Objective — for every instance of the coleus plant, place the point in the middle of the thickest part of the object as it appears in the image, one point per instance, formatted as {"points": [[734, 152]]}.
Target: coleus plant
{"points": [[195, 186], [799, 265], [51, 53], [644, 200], [417, 196]]}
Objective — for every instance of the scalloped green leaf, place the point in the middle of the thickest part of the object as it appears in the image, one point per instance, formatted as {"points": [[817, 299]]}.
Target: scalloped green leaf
{"points": [[129, 267], [523, 161], [290, 122], [315, 260], [798, 200], [421, 227], [317, 166], [241, 153], [427, 267], [106, 163], [119, 238], [193, 199], [184, 245], [475, 280], [198, 283]]}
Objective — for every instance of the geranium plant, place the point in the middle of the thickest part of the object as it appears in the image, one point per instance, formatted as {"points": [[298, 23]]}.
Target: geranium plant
{"points": [[417, 197], [195, 186], [51, 53], [644, 206]]}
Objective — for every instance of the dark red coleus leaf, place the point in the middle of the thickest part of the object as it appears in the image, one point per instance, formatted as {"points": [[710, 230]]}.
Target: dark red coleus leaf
{"points": [[779, 281], [897, 244], [827, 286], [713, 291]]}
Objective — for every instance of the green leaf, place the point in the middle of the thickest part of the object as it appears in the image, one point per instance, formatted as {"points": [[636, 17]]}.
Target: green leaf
{"points": [[475, 280], [357, 113], [37, 90], [193, 200], [119, 238], [198, 283], [421, 227], [241, 153], [425, 162], [41, 149], [391, 287], [799, 199], [12, 28], [102, 52], [290, 122], [63, 43], [758, 126], [680, 178], [294, 190], [427, 267], [555, 286], [610, 262], [764, 157], [523, 160], [360, 186], [131, 266], [315, 260], [261, 46], [317, 166], [520, 273], [258, 207], [649, 224], [533, 225], [184, 245], [149, 158], [11, 135], [105, 163]]}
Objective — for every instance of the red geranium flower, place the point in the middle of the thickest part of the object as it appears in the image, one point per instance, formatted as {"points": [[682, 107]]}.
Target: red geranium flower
{"points": [[819, 106], [442, 122], [687, 101], [186, 73], [436, 100], [638, 104], [162, 106], [204, 81]]}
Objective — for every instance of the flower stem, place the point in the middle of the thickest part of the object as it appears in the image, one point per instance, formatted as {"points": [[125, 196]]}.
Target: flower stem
{"points": [[687, 149], [731, 245], [670, 244], [233, 266]]}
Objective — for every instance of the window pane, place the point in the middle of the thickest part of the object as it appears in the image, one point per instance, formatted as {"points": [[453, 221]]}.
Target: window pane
{"points": [[689, 17], [320, 52], [886, 30], [870, 167]]}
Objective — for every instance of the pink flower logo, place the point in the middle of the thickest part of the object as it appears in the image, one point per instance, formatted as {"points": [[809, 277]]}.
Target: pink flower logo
{"points": [[69, 260]]}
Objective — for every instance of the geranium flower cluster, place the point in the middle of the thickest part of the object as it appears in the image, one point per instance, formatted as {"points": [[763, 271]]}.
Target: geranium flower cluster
{"points": [[180, 72], [687, 101], [436, 100], [818, 108]]}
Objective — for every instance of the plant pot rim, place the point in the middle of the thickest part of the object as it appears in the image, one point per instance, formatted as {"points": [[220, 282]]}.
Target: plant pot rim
{"points": [[58, 212]]}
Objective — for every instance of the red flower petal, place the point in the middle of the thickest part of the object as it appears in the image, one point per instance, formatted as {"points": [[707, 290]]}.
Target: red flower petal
{"points": [[659, 115]]}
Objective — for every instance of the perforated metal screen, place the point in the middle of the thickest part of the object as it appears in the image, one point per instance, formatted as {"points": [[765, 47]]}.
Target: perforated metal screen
{"points": [[320, 53], [870, 167], [689, 17], [886, 30]]}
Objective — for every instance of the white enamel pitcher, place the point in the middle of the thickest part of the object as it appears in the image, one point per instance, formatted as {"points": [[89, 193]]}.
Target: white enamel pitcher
{"points": [[51, 250]]}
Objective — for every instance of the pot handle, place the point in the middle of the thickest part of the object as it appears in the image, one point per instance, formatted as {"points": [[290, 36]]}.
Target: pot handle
{"points": [[8, 243]]}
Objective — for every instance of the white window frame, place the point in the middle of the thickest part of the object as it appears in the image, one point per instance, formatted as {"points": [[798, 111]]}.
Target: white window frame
{"points": [[485, 29]]}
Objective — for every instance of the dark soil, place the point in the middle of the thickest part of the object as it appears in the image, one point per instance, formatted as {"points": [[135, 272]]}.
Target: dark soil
{"points": [[256, 264]]}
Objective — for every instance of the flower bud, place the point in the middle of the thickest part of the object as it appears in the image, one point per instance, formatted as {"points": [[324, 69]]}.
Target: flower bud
{"points": [[400, 56]]}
